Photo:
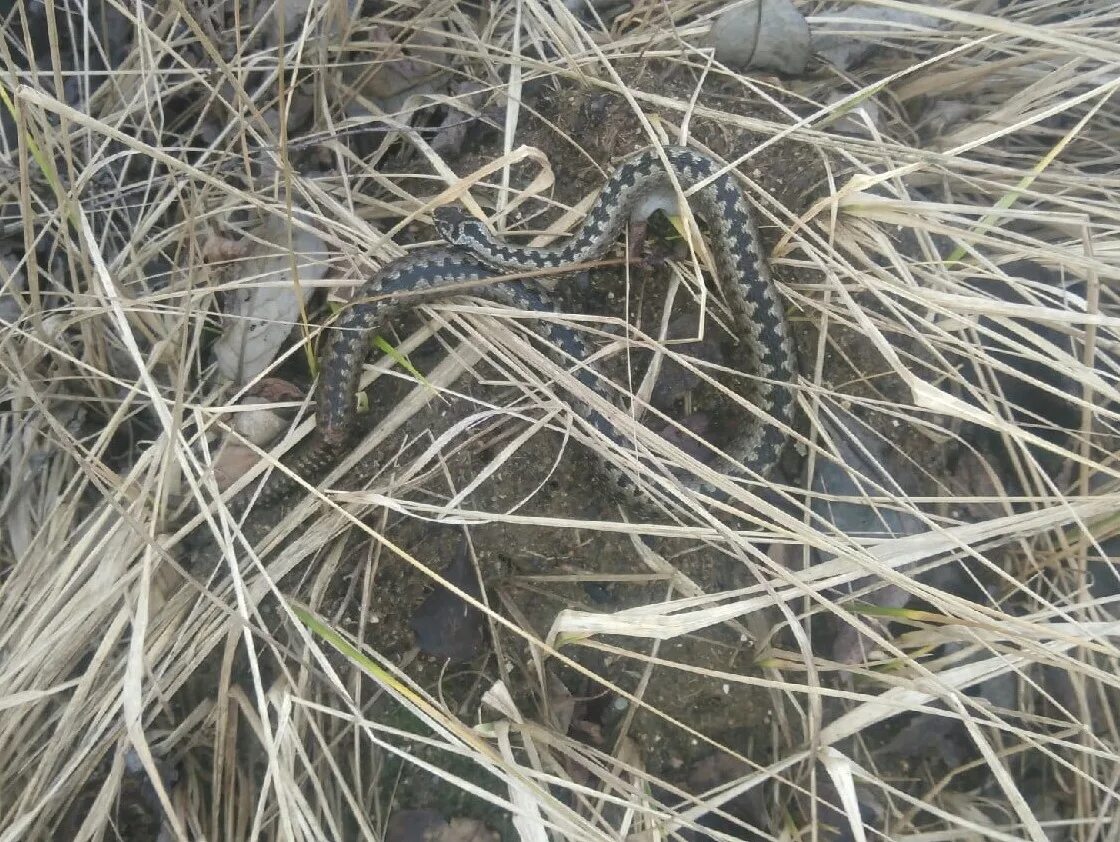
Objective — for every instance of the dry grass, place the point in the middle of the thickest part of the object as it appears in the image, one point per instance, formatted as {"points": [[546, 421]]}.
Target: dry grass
{"points": [[996, 143]]}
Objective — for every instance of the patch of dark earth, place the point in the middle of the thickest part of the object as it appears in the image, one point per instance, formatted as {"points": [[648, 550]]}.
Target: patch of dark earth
{"points": [[533, 572]]}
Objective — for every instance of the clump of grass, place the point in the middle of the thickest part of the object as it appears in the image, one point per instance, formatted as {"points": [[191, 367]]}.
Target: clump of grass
{"points": [[252, 712]]}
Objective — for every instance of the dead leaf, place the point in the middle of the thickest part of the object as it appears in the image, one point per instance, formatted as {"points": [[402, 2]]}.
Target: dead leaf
{"points": [[561, 705], [414, 826], [219, 249], [430, 826], [401, 70], [260, 427], [445, 625], [467, 830], [260, 315], [462, 114]]}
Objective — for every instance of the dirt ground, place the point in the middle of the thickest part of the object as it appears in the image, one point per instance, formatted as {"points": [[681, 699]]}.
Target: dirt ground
{"points": [[531, 573]]}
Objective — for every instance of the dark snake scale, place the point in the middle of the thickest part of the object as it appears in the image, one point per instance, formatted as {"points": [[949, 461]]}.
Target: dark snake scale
{"points": [[473, 259]]}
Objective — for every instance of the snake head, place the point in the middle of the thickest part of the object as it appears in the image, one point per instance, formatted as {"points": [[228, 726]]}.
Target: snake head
{"points": [[456, 227]]}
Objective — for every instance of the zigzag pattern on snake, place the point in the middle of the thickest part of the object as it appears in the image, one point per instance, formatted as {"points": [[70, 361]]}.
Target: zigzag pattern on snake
{"points": [[476, 258]]}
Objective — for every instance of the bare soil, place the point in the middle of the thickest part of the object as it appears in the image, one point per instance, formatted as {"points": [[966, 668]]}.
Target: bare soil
{"points": [[531, 573]]}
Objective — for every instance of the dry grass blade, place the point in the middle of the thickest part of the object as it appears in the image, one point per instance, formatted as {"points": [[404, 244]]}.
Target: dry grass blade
{"points": [[908, 632]]}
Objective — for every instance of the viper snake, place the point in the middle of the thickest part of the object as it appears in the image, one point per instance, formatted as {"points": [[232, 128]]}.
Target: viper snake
{"points": [[471, 260]]}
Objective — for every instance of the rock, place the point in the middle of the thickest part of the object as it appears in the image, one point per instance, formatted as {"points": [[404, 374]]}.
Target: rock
{"points": [[845, 50], [767, 35]]}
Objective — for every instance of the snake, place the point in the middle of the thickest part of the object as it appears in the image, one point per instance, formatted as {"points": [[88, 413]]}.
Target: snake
{"points": [[471, 258]]}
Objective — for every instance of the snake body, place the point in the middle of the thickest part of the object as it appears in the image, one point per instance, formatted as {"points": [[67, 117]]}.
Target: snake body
{"points": [[474, 258]]}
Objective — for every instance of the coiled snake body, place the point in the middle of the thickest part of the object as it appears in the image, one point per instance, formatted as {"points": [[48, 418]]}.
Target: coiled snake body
{"points": [[475, 258]]}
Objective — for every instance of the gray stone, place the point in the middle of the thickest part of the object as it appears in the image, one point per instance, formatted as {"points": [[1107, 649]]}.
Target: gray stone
{"points": [[846, 49], [763, 35]]}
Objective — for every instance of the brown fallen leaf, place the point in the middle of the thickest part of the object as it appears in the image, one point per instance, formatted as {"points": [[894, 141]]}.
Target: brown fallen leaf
{"points": [[220, 249], [260, 427], [447, 627]]}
